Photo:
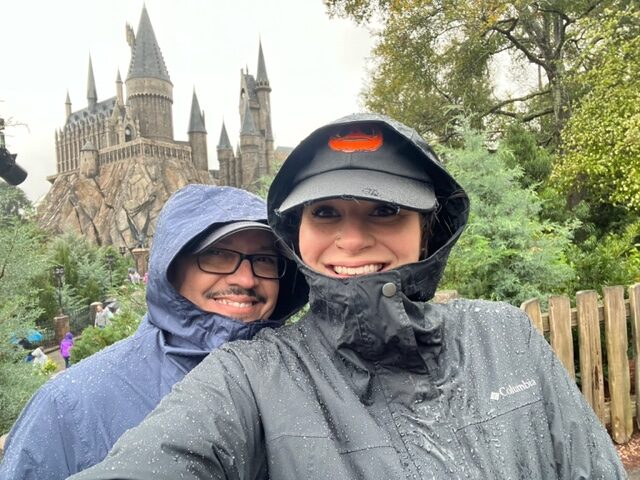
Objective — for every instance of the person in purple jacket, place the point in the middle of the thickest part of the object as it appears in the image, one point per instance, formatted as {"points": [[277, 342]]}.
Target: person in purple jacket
{"points": [[65, 348]]}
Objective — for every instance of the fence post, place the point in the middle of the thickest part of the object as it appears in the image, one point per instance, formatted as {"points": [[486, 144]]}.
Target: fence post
{"points": [[590, 351], [61, 323], [634, 304], [532, 308], [615, 323], [560, 330]]}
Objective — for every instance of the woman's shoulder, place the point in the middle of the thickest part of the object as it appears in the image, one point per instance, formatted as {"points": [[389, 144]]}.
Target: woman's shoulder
{"points": [[484, 317]]}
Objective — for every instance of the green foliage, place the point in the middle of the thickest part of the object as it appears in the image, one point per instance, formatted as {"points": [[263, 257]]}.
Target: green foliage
{"points": [[613, 259], [435, 60], [19, 381], [86, 271], [507, 253], [123, 324], [535, 161], [14, 204], [601, 161]]}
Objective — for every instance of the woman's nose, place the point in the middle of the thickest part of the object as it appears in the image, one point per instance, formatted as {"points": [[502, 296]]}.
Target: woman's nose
{"points": [[353, 236]]}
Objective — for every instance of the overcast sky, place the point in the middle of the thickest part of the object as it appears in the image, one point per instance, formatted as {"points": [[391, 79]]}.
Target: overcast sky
{"points": [[316, 65]]}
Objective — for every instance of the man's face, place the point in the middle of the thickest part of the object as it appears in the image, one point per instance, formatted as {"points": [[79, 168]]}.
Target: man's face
{"points": [[240, 295]]}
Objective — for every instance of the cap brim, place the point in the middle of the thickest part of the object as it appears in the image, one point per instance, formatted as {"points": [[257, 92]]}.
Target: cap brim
{"points": [[229, 229], [364, 184]]}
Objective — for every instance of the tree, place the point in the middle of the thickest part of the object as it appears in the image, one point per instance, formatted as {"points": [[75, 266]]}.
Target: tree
{"points": [[433, 59], [506, 253], [21, 260], [601, 143]]}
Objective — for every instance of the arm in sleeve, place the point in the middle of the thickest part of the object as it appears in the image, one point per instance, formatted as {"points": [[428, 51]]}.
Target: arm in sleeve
{"points": [[44, 442], [582, 447], [207, 427]]}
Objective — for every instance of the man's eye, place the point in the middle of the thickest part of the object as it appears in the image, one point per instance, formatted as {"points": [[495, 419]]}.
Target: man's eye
{"points": [[385, 210], [266, 259], [324, 211]]}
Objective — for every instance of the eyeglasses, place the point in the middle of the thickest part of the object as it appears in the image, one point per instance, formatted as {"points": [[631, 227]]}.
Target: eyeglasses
{"points": [[223, 261]]}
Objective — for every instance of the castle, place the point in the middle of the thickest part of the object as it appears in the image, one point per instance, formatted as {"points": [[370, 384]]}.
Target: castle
{"points": [[117, 159]]}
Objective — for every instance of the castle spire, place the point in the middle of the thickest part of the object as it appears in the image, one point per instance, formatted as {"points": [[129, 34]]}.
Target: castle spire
{"points": [[196, 122], [261, 76], [224, 143], [92, 95], [119, 91], [146, 57], [67, 106]]}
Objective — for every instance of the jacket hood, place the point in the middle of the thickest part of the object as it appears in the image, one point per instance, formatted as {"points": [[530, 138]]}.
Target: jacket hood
{"points": [[419, 280], [189, 213]]}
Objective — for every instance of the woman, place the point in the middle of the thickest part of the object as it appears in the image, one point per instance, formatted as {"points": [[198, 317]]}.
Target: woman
{"points": [[373, 383]]}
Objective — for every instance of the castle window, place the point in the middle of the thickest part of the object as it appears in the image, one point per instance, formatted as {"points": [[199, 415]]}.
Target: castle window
{"points": [[128, 134]]}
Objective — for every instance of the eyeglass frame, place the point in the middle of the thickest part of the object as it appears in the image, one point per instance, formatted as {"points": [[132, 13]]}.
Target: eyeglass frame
{"points": [[242, 258]]}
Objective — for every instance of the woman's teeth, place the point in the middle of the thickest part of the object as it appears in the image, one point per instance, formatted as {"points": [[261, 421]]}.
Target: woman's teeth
{"points": [[361, 270]]}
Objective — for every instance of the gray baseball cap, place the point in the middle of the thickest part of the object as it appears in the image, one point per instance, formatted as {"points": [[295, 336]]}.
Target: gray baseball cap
{"points": [[229, 229], [364, 161]]}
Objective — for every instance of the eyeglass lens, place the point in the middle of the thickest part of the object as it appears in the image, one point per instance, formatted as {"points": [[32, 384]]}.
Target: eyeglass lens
{"points": [[222, 261]]}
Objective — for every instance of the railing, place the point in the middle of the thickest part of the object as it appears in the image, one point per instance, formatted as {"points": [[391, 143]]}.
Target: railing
{"points": [[598, 330]]}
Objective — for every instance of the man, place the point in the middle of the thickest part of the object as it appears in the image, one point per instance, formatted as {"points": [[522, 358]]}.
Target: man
{"points": [[215, 276]]}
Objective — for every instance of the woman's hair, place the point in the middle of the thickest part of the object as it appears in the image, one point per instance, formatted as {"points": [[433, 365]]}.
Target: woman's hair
{"points": [[428, 222]]}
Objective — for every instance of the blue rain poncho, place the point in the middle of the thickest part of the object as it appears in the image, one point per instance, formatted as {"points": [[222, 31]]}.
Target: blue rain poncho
{"points": [[73, 420]]}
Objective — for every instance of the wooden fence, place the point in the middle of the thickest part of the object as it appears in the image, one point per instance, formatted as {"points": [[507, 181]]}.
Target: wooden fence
{"points": [[607, 357]]}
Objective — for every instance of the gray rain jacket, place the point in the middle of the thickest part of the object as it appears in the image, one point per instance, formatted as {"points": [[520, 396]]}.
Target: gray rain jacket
{"points": [[374, 383]]}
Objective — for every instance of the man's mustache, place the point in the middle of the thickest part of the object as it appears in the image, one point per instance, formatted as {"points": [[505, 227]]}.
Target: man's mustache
{"points": [[248, 292]]}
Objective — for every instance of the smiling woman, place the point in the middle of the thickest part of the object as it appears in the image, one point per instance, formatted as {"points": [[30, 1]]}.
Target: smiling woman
{"points": [[374, 382]]}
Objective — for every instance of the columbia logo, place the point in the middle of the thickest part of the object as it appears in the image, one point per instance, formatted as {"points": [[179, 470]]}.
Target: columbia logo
{"points": [[512, 389]]}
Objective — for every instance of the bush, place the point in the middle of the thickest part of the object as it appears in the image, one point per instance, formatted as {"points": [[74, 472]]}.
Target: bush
{"points": [[123, 324], [507, 253]]}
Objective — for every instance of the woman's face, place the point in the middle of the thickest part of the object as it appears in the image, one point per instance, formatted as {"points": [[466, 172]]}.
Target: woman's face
{"points": [[346, 238]]}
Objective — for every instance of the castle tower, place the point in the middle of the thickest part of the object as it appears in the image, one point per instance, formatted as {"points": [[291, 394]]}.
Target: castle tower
{"points": [[263, 92], [198, 136], [89, 160], [226, 158], [149, 89], [92, 95], [250, 143]]}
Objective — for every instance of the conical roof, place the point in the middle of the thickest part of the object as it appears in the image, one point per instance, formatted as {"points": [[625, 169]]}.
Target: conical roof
{"points": [[196, 121], [146, 57], [224, 143], [248, 125], [92, 94], [261, 76]]}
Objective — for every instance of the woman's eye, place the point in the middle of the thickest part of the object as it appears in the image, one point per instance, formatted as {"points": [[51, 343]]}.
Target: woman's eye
{"points": [[385, 210], [324, 211]]}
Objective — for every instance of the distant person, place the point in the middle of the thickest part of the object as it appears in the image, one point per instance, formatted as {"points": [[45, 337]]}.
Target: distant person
{"points": [[103, 317], [39, 358], [133, 275], [65, 348], [374, 382], [215, 275]]}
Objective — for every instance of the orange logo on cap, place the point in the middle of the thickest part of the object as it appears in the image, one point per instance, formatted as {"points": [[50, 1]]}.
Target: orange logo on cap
{"points": [[356, 138]]}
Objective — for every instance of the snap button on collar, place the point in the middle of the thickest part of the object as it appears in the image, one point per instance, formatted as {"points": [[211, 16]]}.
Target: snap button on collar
{"points": [[389, 289]]}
